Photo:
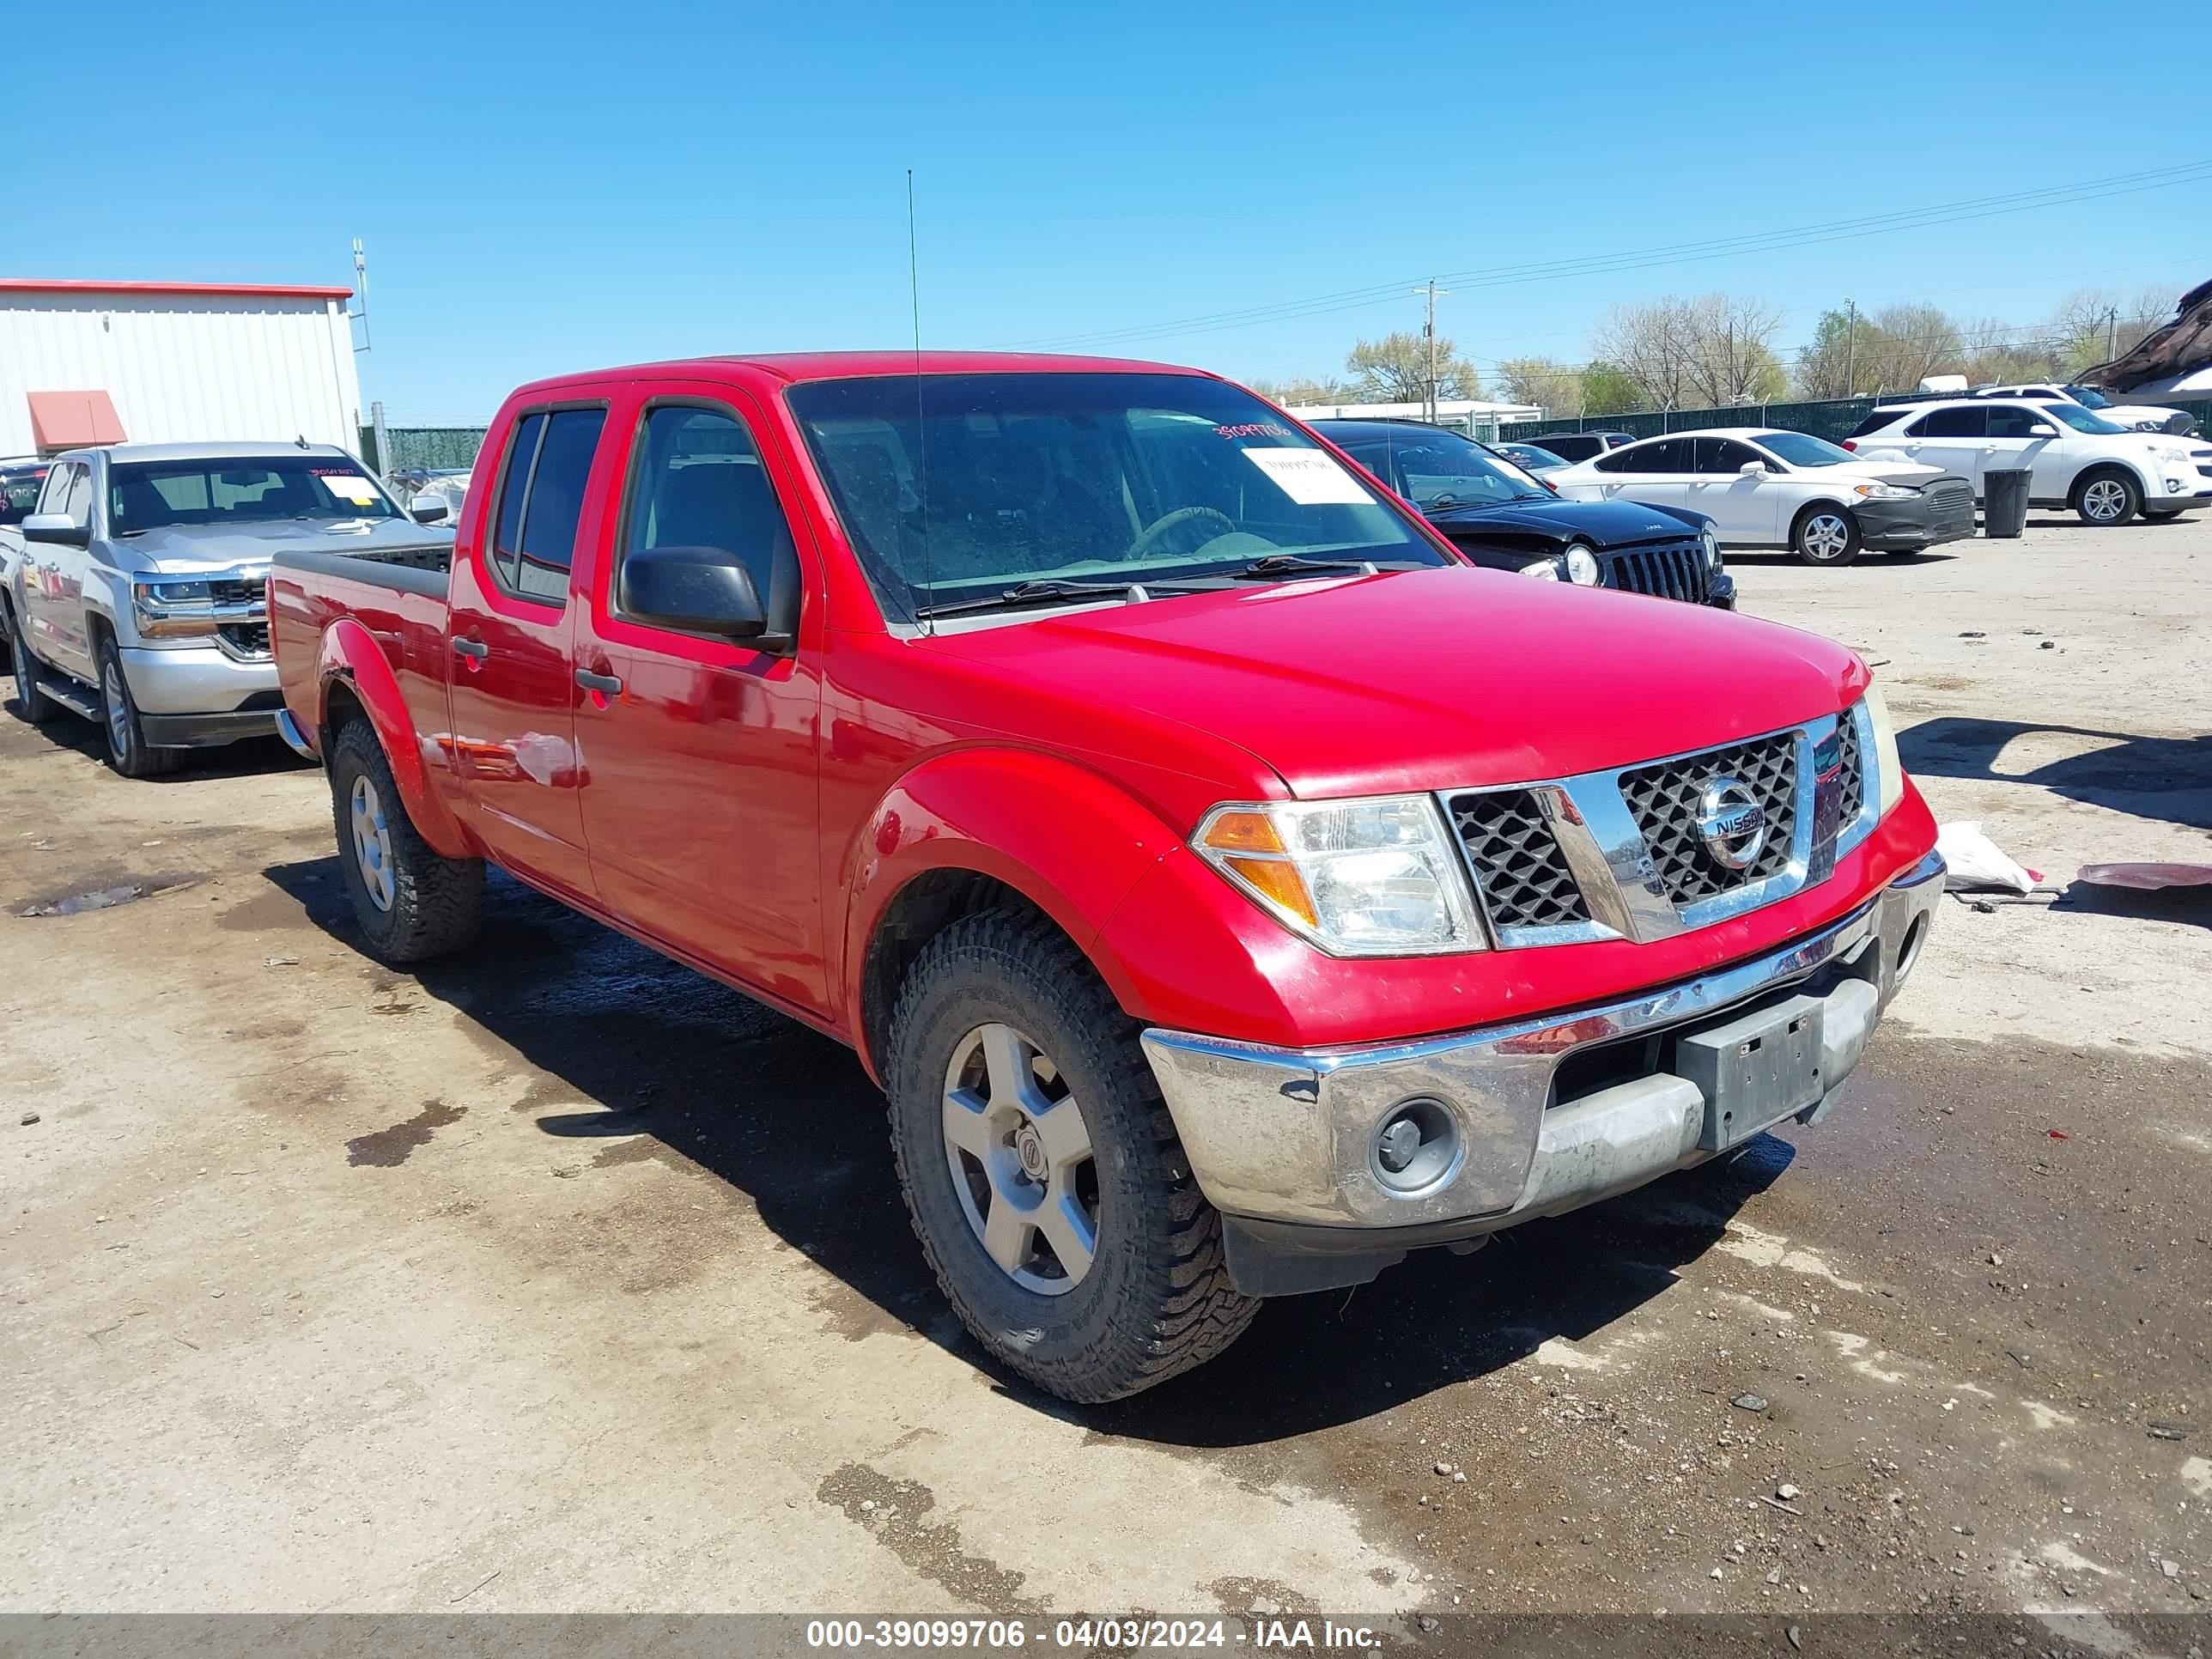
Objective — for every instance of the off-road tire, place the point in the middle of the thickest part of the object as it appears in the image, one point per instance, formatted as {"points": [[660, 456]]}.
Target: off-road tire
{"points": [[1157, 1299], [32, 706], [437, 903], [1805, 536], [128, 752], [2129, 497]]}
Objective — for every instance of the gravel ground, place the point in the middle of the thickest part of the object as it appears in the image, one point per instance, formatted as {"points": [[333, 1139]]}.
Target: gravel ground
{"points": [[558, 1278]]}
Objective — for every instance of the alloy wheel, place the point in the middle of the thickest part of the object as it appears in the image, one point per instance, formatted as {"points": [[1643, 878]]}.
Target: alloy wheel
{"points": [[1021, 1159], [117, 707], [1827, 536], [2105, 499], [372, 842]]}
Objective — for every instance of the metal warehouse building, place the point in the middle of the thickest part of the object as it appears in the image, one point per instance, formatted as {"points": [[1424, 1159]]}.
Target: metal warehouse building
{"points": [[170, 362]]}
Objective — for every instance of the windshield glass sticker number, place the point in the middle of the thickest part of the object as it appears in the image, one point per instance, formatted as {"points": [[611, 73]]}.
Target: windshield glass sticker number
{"points": [[1309, 478]]}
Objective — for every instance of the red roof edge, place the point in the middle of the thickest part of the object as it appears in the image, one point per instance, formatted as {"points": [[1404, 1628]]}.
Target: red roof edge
{"points": [[73, 420], [262, 290]]}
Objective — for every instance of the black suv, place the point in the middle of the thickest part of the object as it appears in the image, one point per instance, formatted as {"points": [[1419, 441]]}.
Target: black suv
{"points": [[1501, 517], [20, 482], [1581, 445]]}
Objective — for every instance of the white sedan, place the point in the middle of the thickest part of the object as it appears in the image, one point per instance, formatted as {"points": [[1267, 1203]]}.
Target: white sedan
{"points": [[1769, 489]]}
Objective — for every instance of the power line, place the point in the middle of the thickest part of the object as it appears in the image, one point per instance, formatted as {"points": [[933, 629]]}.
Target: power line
{"points": [[1677, 253]]}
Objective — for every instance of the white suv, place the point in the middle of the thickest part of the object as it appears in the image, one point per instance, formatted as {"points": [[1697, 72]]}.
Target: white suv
{"points": [[2074, 458], [2137, 417]]}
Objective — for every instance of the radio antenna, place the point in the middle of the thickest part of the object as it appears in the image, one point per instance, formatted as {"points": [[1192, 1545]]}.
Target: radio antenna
{"points": [[920, 430]]}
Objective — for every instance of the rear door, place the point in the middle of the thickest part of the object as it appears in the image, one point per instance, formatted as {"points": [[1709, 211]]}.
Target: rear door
{"points": [[699, 755], [513, 696], [1745, 510], [1952, 438]]}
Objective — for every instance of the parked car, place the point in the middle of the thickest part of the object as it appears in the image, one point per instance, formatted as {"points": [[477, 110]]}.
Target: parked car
{"points": [[2075, 458], [1499, 516], [1764, 488], [1530, 459], [2137, 417], [136, 599], [19, 488], [1231, 888], [1572, 447]]}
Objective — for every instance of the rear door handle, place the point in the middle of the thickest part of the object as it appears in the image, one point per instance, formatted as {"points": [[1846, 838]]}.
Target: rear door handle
{"points": [[474, 650], [610, 684]]}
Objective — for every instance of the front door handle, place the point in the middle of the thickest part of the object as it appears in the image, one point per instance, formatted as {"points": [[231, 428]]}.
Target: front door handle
{"points": [[610, 684], [474, 650]]}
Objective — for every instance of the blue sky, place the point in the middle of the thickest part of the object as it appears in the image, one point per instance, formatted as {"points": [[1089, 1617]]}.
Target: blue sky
{"points": [[546, 187]]}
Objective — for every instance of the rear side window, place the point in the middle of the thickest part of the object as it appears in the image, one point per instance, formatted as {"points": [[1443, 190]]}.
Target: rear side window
{"points": [[1967, 420], [1627, 460], [699, 482], [542, 498], [1570, 445]]}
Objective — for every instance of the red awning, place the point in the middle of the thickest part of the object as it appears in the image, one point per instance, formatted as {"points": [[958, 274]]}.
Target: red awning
{"points": [[70, 420]]}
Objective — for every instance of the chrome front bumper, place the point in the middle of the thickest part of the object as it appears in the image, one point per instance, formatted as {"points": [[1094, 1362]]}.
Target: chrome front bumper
{"points": [[1287, 1135]]}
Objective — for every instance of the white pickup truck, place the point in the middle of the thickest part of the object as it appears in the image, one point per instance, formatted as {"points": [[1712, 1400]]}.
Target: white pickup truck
{"points": [[136, 595]]}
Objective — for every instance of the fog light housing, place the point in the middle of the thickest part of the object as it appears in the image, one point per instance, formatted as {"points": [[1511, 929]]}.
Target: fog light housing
{"points": [[2173, 486], [1416, 1147]]}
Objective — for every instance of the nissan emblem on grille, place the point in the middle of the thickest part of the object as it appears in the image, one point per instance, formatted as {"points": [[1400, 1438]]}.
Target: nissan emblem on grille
{"points": [[1732, 823]]}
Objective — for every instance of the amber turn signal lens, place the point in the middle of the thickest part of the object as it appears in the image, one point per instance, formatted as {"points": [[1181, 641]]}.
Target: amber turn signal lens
{"points": [[1244, 832], [1279, 881]]}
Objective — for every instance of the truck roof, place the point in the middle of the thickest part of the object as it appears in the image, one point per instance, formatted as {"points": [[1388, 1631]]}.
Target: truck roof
{"points": [[243, 449], [793, 367]]}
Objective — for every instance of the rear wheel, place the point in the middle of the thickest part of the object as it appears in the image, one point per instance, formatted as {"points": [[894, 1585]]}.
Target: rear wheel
{"points": [[32, 703], [1825, 535], [1042, 1170], [128, 751], [413, 902], [2107, 497]]}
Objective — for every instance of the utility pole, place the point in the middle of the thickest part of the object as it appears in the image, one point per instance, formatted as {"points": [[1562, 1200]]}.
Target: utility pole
{"points": [[1851, 348], [1431, 290]]}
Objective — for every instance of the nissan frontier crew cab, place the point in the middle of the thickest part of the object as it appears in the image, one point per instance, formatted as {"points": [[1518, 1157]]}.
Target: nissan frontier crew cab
{"points": [[135, 598], [1231, 887]]}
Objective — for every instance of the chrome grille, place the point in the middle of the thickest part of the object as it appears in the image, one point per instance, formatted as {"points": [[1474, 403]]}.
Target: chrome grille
{"points": [[249, 640], [1518, 868], [1670, 570], [1665, 801], [1854, 789]]}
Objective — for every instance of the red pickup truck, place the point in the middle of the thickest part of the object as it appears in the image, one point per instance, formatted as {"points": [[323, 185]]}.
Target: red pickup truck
{"points": [[1231, 887]]}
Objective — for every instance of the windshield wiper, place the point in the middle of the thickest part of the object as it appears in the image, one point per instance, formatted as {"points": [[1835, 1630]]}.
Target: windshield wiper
{"points": [[1297, 564], [1050, 590]]}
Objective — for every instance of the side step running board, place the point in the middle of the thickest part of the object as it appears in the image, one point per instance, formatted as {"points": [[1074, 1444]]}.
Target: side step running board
{"points": [[79, 700]]}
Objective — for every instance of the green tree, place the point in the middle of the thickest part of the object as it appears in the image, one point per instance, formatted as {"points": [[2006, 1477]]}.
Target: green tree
{"points": [[1610, 389], [1394, 369], [1553, 386]]}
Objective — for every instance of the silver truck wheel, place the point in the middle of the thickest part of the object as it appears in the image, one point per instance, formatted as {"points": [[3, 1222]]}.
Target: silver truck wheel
{"points": [[1021, 1159], [372, 842], [128, 751]]}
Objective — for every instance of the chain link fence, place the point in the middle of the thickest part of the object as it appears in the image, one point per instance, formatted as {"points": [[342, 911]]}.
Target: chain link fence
{"points": [[433, 447]]}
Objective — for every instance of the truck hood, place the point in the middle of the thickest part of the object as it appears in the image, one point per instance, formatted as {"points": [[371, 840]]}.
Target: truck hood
{"points": [[177, 549], [1430, 679], [1602, 524]]}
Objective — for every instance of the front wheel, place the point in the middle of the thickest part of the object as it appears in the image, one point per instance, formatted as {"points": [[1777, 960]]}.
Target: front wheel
{"points": [[2108, 498], [128, 751], [1042, 1169], [411, 901], [1825, 535]]}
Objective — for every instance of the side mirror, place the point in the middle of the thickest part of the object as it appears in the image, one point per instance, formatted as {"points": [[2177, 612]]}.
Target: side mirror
{"points": [[1752, 470], [431, 512], [56, 527], [692, 589], [2039, 430]]}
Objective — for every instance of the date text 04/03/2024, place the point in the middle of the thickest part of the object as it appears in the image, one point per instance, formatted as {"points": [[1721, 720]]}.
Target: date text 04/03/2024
{"points": [[1126, 1634]]}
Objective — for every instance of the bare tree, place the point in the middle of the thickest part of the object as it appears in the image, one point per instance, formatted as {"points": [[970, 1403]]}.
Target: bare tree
{"points": [[1394, 369], [1650, 344], [1911, 343], [1303, 390], [1731, 351], [1553, 386]]}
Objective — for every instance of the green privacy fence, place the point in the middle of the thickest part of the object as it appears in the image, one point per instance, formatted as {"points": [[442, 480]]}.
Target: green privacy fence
{"points": [[1830, 418], [423, 446]]}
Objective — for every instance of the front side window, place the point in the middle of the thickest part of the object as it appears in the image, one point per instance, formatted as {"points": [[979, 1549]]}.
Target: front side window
{"points": [[541, 499], [2082, 420], [1719, 455], [698, 481], [318, 489], [1803, 449], [2088, 397], [958, 488], [2011, 420], [59, 482]]}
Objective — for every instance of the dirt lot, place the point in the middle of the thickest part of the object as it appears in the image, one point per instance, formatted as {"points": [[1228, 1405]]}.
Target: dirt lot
{"points": [[559, 1278]]}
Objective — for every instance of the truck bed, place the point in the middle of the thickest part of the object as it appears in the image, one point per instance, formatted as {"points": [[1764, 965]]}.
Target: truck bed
{"points": [[397, 603]]}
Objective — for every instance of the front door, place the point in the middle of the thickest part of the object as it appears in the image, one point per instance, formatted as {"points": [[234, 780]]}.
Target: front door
{"points": [[514, 701], [699, 754], [53, 577], [1746, 509], [2021, 435]]}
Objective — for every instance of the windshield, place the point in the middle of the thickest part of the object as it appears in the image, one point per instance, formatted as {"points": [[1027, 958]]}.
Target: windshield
{"points": [[19, 495], [1442, 470], [1802, 449], [154, 495], [2088, 397], [958, 487], [2079, 418]]}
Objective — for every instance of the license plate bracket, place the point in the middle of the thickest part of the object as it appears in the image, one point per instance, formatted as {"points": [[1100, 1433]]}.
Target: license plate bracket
{"points": [[1754, 1069]]}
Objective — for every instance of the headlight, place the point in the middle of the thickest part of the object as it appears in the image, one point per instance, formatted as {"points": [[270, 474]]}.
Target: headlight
{"points": [[1544, 570], [179, 593], [1581, 566], [167, 608], [1884, 492], [1889, 771], [1712, 548], [1372, 878]]}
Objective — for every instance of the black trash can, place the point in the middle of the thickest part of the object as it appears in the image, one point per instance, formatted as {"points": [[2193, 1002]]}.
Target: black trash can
{"points": [[2004, 501]]}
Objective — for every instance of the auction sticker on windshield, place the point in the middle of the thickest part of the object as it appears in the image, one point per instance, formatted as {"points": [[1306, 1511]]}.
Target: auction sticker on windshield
{"points": [[1309, 478], [350, 487]]}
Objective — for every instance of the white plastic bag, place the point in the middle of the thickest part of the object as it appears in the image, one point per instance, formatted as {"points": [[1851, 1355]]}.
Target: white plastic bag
{"points": [[1975, 864]]}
